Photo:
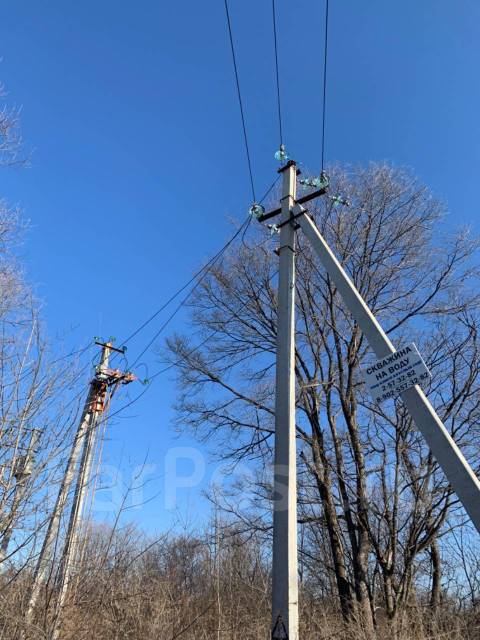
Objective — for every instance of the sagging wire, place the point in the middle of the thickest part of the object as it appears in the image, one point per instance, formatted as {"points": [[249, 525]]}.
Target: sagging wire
{"points": [[275, 45], [196, 279], [147, 382], [240, 102], [199, 278], [324, 110]]}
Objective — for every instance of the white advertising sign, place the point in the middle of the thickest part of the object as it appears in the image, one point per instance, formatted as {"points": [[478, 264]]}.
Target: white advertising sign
{"points": [[395, 373]]}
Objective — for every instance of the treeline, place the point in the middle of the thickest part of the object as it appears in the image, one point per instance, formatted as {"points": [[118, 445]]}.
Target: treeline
{"points": [[384, 546], [216, 584]]}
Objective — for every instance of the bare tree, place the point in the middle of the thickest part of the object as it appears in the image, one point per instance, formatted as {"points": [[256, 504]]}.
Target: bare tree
{"points": [[37, 383], [367, 481], [11, 143]]}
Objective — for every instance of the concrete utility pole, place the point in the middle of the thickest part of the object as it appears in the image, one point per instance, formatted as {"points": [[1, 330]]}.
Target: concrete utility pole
{"points": [[284, 578], [70, 550], [93, 407], [54, 523], [22, 471], [457, 470]]}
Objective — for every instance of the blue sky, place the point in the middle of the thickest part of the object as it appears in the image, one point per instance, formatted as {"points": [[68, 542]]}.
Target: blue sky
{"points": [[139, 166]]}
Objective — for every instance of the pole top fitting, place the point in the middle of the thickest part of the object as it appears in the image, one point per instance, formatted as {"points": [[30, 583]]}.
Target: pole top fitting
{"points": [[110, 346], [290, 163]]}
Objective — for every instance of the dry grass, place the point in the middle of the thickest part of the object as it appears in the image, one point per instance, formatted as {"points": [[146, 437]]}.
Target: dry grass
{"points": [[179, 589]]}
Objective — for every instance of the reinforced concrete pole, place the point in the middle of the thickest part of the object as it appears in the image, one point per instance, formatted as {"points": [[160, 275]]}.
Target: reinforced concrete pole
{"points": [[284, 569], [62, 497], [70, 550], [457, 470]]}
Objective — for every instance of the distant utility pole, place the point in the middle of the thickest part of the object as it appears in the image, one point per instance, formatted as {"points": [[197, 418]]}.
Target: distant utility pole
{"points": [[106, 377], [84, 439], [457, 470], [22, 471], [285, 580]]}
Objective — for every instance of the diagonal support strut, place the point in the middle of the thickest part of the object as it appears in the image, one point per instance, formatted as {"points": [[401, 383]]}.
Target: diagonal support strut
{"points": [[448, 455]]}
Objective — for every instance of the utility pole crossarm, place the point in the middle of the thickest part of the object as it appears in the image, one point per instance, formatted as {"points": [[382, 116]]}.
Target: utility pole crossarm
{"points": [[456, 468], [300, 201]]}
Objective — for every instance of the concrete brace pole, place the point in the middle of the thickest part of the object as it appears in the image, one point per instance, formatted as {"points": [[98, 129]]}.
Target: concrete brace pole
{"points": [[457, 470], [284, 571]]}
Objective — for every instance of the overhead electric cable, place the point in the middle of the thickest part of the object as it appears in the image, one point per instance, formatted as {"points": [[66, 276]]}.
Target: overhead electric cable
{"points": [[165, 324], [260, 202], [237, 81], [73, 353], [270, 188], [199, 277], [324, 84], [198, 274], [173, 364], [170, 300], [276, 71]]}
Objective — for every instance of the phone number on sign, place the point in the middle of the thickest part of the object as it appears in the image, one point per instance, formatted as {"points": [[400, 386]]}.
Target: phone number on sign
{"points": [[402, 383]]}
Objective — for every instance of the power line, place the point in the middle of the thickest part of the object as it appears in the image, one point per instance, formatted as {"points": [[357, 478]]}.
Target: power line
{"points": [[165, 324], [198, 274], [176, 363], [73, 353], [270, 188], [198, 277], [260, 202], [324, 83], [247, 222], [276, 71], [237, 81], [171, 299]]}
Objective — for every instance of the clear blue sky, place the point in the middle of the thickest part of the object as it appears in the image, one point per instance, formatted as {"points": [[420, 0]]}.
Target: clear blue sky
{"points": [[139, 161]]}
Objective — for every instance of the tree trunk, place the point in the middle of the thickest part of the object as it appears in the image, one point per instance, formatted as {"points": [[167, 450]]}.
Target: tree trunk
{"points": [[435, 594], [322, 476]]}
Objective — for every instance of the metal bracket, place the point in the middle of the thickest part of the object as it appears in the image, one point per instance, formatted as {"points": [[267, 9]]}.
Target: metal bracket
{"points": [[285, 246], [302, 200], [292, 218], [112, 376], [110, 346]]}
